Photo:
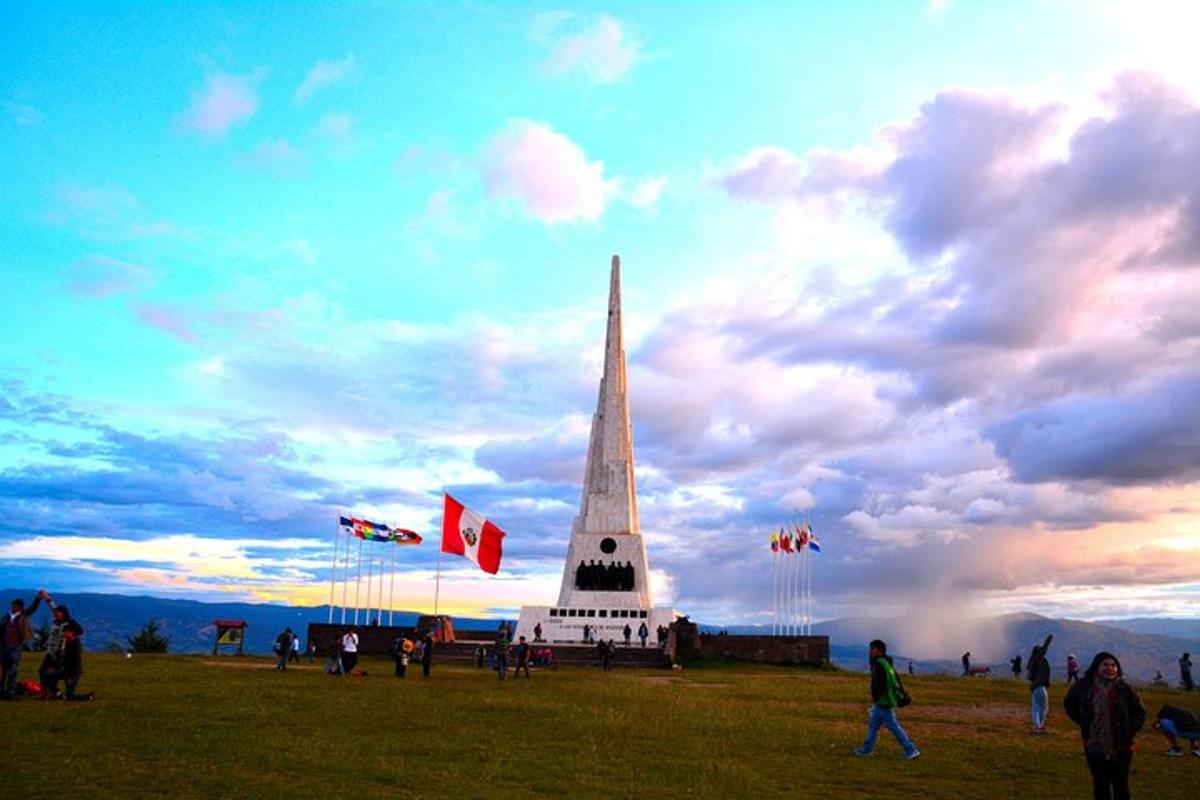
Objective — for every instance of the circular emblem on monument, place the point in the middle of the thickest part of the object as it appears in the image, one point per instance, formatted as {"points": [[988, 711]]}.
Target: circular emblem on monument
{"points": [[608, 545]]}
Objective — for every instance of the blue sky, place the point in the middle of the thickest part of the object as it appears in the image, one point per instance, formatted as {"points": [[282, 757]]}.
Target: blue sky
{"points": [[920, 272]]}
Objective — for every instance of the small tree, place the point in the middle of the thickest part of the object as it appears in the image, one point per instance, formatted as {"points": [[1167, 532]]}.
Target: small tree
{"points": [[148, 640]]}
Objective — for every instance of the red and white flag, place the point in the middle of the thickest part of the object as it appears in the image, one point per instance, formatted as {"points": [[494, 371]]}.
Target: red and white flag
{"points": [[467, 534]]}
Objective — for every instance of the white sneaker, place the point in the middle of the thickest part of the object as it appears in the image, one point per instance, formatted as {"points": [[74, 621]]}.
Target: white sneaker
{"points": [[914, 754]]}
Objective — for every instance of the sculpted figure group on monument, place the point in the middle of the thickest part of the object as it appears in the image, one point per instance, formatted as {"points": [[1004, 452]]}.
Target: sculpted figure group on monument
{"points": [[595, 577]]}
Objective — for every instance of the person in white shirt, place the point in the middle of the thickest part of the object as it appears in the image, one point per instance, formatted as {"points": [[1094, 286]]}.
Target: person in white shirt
{"points": [[349, 651], [295, 654]]}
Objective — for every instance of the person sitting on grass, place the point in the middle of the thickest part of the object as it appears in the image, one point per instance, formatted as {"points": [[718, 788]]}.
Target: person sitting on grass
{"points": [[1178, 723], [886, 696]]}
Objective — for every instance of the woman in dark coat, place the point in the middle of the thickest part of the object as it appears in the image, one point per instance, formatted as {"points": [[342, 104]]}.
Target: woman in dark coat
{"points": [[1109, 714]]}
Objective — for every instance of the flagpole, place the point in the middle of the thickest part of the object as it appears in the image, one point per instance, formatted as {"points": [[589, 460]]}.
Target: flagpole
{"points": [[370, 581], [804, 593], [810, 594], [774, 593], [345, 577], [791, 588], [383, 553], [358, 581], [333, 572], [787, 591], [392, 591], [437, 581], [796, 602]]}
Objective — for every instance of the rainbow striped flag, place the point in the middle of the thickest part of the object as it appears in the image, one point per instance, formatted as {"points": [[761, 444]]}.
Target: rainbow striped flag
{"points": [[377, 531]]}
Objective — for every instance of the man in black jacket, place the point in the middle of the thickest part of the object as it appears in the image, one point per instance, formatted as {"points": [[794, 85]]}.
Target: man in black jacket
{"points": [[886, 693]]}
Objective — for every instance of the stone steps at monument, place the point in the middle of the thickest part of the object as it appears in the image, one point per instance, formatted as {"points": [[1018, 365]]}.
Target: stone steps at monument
{"points": [[564, 654]]}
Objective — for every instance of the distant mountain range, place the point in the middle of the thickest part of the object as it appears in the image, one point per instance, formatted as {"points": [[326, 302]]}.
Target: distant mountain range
{"points": [[1144, 645]]}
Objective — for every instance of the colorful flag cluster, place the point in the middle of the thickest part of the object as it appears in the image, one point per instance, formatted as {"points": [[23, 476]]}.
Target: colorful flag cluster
{"points": [[377, 532], [792, 593], [795, 539]]}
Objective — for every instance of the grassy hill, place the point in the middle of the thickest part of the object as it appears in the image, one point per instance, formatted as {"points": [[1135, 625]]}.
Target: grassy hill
{"points": [[193, 726]]}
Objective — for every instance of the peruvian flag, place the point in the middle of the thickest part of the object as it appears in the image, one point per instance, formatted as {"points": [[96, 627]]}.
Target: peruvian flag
{"points": [[465, 533]]}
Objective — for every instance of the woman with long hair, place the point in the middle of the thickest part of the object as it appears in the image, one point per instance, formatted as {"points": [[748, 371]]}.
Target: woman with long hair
{"points": [[1109, 714]]}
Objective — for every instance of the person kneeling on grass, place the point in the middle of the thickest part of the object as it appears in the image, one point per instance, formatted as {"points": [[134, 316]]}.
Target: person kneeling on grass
{"points": [[1178, 723], [886, 695], [70, 667]]}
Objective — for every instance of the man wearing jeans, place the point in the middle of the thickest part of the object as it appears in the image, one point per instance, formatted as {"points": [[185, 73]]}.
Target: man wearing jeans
{"points": [[1178, 723], [1039, 683], [15, 630], [885, 696]]}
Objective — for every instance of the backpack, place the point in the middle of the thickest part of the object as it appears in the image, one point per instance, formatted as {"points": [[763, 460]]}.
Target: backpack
{"points": [[897, 690]]}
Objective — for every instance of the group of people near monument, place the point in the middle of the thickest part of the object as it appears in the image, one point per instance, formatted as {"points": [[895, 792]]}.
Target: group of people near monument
{"points": [[643, 633], [62, 656], [595, 577]]}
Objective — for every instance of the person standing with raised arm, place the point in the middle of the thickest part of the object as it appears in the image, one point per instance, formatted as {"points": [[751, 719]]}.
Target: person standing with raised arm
{"points": [[15, 631], [1039, 683]]}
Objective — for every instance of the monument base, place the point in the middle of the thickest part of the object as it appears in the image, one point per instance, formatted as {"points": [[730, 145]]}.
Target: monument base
{"points": [[565, 625]]}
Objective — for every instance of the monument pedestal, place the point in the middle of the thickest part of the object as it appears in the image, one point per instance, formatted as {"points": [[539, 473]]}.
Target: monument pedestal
{"points": [[564, 625]]}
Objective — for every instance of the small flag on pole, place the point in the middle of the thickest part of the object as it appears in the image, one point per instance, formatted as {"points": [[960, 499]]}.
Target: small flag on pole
{"points": [[774, 541], [467, 534], [405, 536]]}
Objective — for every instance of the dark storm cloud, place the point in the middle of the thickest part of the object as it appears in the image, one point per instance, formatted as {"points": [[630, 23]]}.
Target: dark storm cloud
{"points": [[1142, 437]]}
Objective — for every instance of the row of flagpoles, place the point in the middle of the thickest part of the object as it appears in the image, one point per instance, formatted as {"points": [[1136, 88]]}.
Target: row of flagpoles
{"points": [[464, 533], [791, 570]]}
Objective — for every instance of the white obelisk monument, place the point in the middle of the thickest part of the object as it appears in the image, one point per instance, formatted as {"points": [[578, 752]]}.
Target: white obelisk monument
{"points": [[606, 577]]}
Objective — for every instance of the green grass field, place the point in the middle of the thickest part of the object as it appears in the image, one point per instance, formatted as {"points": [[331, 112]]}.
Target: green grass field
{"points": [[202, 727]]}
